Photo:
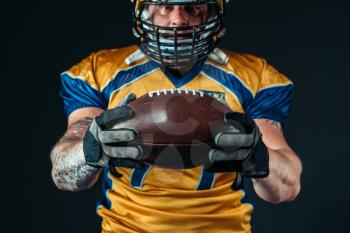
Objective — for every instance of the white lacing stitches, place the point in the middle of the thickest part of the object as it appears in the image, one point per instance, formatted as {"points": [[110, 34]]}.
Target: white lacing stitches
{"points": [[176, 90]]}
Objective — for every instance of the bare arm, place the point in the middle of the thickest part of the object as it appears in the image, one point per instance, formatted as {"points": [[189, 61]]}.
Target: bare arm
{"points": [[69, 169], [283, 182]]}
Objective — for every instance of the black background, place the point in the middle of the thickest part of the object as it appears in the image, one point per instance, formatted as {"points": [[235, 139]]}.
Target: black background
{"points": [[307, 41]]}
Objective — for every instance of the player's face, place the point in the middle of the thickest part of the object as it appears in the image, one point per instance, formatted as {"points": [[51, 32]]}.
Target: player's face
{"points": [[178, 15]]}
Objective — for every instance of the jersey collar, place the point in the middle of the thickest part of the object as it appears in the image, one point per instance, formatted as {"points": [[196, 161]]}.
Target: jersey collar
{"points": [[186, 78]]}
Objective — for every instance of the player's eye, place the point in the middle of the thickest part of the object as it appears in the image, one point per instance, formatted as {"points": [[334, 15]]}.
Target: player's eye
{"points": [[164, 9], [193, 10]]}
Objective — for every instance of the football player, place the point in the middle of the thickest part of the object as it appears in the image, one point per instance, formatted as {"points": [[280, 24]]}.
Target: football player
{"points": [[177, 49]]}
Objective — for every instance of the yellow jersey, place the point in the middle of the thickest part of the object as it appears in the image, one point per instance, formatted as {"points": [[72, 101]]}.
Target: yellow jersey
{"points": [[155, 199]]}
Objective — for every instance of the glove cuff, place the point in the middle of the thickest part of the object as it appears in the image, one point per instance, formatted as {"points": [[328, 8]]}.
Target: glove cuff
{"points": [[257, 163]]}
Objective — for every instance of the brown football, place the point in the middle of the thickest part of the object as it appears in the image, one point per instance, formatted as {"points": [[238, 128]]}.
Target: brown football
{"points": [[177, 126]]}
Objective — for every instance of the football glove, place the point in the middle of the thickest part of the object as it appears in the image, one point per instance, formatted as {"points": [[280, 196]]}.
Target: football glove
{"points": [[240, 150], [107, 147]]}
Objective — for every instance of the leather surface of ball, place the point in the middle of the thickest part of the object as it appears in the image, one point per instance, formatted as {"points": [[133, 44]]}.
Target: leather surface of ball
{"points": [[177, 127]]}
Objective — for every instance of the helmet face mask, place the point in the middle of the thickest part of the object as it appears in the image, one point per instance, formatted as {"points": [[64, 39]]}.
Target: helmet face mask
{"points": [[179, 46]]}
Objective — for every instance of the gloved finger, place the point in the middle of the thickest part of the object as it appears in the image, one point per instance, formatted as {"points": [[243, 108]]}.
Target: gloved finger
{"points": [[130, 152], [223, 155], [235, 140], [224, 166], [117, 135], [127, 99], [130, 163], [114, 115], [103, 161], [237, 184]]}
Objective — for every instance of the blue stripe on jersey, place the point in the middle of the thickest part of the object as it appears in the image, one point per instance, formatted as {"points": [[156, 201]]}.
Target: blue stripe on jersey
{"points": [[77, 93], [127, 76], [229, 81], [138, 175], [106, 186], [206, 181], [271, 103]]}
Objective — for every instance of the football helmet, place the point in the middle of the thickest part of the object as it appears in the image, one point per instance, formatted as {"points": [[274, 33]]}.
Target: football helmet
{"points": [[178, 46]]}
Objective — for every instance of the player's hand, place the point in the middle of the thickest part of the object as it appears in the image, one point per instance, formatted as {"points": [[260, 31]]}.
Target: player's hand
{"points": [[241, 149], [104, 147]]}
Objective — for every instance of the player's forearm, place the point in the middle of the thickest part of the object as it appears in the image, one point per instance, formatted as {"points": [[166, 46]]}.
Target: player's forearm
{"points": [[69, 169], [283, 182]]}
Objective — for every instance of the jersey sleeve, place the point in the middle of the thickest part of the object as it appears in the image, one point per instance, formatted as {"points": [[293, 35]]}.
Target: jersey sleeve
{"points": [[273, 97], [79, 88]]}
